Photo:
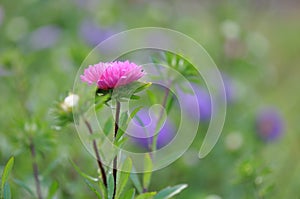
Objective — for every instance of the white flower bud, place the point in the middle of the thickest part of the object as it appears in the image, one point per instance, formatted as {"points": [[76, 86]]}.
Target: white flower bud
{"points": [[70, 101]]}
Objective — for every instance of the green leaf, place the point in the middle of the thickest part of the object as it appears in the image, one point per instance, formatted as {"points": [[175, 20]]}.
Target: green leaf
{"points": [[170, 191], [129, 194], [103, 189], [7, 169], [6, 191], [93, 188], [52, 190], [151, 96], [135, 180], [110, 185], [100, 100], [148, 171], [86, 176], [24, 186], [108, 126], [148, 195], [170, 103], [135, 97], [124, 175], [135, 111], [142, 86]]}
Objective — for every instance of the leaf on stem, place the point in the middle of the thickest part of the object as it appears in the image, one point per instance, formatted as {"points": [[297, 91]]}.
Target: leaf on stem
{"points": [[135, 180], [93, 188], [123, 176], [170, 191], [86, 176], [129, 194], [148, 171], [52, 190], [110, 185], [148, 195], [7, 169]]}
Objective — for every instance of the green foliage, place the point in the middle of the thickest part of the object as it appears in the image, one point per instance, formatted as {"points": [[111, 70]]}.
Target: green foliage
{"points": [[129, 194], [110, 185], [52, 190], [136, 181], [5, 188], [170, 191], [86, 176], [148, 171], [148, 195], [123, 177]]}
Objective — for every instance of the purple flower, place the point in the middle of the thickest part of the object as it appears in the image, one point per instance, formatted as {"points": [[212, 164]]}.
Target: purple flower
{"points": [[204, 103], [93, 34], [44, 37], [111, 75], [230, 88], [269, 124], [141, 130]]}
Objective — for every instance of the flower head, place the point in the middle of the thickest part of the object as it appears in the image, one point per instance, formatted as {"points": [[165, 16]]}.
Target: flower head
{"points": [[269, 124], [110, 75], [70, 101]]}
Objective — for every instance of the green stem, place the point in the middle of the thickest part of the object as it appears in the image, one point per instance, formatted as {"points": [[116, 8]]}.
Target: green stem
{"points": [[103, 175], [118, 108]]}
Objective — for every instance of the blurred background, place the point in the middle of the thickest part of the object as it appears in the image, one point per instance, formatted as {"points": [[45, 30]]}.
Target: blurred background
{"points": [[255, 44]]}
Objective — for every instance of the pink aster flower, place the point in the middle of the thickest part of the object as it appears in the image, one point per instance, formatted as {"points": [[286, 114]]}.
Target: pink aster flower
{"points": [[111, 75]]}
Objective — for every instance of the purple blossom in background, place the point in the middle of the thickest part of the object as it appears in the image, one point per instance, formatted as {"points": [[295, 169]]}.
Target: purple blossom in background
{"points": [[1, 14], [93, 34], [204, 103], [142, 129], [230, 89], [44, 37], [89, 4], [269, 124]]}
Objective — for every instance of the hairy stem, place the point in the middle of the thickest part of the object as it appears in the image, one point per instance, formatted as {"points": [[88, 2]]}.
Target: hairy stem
{"points": [[35, 169], [118, 108], [100, 165]]}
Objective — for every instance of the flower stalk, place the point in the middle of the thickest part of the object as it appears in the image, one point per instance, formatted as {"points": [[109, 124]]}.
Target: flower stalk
{"points": [[99, 162], [115, 164]]}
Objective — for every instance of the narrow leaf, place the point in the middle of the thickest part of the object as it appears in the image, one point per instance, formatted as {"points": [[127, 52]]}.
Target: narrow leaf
{"points": [[108, 126], [148, 169], [124, 175], [86, 176], [151, 96], [93, 188], [170, 191], [110, 186], [142, 87], [148, 195], [7, 169], [52, 190], [135, 180], [129, 194], [6, 191], [135, 97], [135, 111], [103, 189]]}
